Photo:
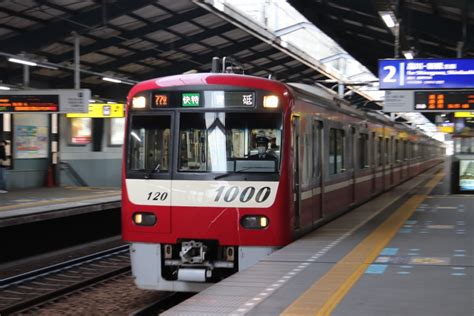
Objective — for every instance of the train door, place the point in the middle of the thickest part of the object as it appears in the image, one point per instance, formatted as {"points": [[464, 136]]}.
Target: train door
{"points": [[354, 162], [296, 171], [318, 184]]}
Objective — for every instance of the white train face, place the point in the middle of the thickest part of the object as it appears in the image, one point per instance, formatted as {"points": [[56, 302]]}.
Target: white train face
{"points": [[241, 194]]}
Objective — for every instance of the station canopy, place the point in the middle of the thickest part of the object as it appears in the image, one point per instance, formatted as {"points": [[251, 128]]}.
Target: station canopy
{"points": [[137, 40]]}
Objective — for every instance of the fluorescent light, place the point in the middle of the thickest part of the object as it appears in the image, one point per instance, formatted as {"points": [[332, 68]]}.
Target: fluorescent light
{"points": [[4, 88], [92, 101], [22, 61], [387, 18], [111, 80], [408, 55]]}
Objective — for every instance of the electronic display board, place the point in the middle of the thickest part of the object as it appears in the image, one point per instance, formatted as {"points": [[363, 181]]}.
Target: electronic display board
{"points": [[42, 100], [426, 73], [207, 99], [29, 103], [460, 100]]}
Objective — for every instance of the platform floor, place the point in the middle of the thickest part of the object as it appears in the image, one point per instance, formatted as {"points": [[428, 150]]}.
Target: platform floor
{"points": [[28, 205], [407, 252]]}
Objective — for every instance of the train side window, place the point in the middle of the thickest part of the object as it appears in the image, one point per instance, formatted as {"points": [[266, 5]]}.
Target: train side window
{"points": [[336, 151], [379, 152], [363, 151], [387, 153], [397, 151]]}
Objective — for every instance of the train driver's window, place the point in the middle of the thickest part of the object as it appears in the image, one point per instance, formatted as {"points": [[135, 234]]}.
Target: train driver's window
{"points": [[149, 143]]}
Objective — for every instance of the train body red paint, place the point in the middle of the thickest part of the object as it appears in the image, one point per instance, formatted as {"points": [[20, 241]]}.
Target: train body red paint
{"points": [[220, 170]]}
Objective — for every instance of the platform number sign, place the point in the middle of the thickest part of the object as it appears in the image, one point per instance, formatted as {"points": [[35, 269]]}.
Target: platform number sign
{"points": [[426, 73]]}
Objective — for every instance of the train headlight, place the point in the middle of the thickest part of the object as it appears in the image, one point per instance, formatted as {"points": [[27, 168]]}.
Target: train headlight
{"points": [[254, 222], [270, 101], [144, 219], [139, 102]]}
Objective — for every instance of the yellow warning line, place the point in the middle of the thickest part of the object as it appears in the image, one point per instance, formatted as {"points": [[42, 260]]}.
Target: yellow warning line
{"points": [[327, 292], [55, 202]]}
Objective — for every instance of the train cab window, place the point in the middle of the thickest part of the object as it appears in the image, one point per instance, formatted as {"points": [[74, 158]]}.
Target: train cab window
{"points": [[336, 151], [229, 142], [149, 143]]}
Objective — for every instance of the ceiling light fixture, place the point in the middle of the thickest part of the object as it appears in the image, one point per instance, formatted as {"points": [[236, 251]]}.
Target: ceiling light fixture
{"points": [[408, 54], [5, 88], [111, 80], [22, 61]]}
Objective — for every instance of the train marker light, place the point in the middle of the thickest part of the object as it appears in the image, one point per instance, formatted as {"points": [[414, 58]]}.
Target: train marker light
{"points": [[144, 219], [254, 222], [139, 102], [270, 101]]}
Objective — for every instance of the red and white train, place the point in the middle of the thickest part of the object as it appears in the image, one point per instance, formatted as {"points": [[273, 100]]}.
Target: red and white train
{"points": [[200, 202]]}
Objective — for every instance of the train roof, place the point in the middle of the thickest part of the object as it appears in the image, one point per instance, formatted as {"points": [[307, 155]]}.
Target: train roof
{"points": [[333, 101]]}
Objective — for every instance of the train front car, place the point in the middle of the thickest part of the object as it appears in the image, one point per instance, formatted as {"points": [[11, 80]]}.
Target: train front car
{"points": [[202, 182]]}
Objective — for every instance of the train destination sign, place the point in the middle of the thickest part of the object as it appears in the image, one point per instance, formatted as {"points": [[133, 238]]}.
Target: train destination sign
{"points": [[429, 101], [426, 73], [49, 101]]}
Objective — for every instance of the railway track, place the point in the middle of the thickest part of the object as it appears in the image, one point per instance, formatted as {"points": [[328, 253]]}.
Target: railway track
{"points": [[39, 286]]}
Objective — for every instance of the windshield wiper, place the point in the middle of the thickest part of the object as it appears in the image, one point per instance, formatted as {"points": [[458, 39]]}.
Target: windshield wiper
{"points": [[156, 168], [230, 173]]}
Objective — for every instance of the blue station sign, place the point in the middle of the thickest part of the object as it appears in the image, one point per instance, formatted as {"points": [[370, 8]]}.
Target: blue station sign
{"points": [[426, 73]]}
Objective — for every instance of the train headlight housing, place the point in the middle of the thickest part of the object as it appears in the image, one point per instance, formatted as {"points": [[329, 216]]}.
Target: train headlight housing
{"points": [[139, 102], [254, 222], [270, 101], [144, 219]]}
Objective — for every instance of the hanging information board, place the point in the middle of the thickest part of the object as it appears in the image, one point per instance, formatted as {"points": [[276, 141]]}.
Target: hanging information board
{"points": [[45, 101], [426, 73]]}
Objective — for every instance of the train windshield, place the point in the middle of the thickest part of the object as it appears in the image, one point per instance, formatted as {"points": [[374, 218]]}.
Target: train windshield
{"points": [[149, 142], [229, 142]]}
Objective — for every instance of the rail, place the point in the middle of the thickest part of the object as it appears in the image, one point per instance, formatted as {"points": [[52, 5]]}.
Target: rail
{"points": [[35, 287]]}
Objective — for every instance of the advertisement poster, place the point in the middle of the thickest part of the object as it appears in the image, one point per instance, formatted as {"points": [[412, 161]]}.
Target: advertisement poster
{"points": [[466, 175], [31, 142]]}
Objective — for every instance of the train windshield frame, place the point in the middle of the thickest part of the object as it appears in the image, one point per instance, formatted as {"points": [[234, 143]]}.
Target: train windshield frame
{"points": [[204, 144]]}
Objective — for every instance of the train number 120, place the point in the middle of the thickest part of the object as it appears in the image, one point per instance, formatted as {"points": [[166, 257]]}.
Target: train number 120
{"points": [[247, 194], [157, 196]]}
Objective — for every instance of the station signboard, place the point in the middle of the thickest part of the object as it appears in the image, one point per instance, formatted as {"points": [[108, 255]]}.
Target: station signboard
{"points": [[426, 74], [102, 110], [44, 101]]}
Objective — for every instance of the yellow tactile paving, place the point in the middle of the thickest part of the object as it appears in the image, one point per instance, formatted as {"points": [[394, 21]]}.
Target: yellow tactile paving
{"points": [[327, 292]]}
